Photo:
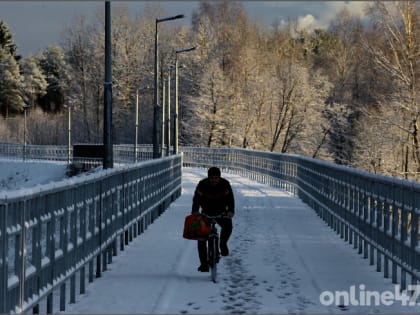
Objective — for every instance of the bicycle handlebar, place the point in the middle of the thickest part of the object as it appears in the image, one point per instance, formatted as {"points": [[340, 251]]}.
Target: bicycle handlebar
{"points": [[219, 216]]}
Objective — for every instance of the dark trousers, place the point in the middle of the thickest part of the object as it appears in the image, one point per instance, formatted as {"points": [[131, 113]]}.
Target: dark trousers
{"points": [[226, 230]]}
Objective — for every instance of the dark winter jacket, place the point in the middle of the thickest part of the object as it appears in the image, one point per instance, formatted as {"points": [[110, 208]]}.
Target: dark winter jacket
{"points": [[213, 200]]}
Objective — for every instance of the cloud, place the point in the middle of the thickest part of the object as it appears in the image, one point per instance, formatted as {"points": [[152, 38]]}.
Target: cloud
{"points": [[326, 12], [308, 21], [333, 8]]}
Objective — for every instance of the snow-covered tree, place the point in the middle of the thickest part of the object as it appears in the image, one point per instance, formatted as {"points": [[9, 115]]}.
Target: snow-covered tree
{"points": [[11, 85], [6, 41], [57, 73], [35, 84], [394, 46], [81, 43]]}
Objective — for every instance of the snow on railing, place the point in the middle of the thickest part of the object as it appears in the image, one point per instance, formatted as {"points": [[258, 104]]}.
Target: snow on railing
{"points": [[51, 233], [378, 215]]}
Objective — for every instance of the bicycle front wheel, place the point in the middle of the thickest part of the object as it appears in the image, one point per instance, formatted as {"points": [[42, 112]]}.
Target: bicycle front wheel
{"points": [[213, 257]]}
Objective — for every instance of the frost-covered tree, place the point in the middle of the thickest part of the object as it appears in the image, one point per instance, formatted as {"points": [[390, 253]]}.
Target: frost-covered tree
{"points": [[220, 33], [6, 41], [206, 120], [35, 85], [81, 45], [57, 73], [11, 85], [394, 46]]}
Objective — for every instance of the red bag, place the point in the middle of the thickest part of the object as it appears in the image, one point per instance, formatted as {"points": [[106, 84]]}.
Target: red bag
{"points": [[196, 227]]}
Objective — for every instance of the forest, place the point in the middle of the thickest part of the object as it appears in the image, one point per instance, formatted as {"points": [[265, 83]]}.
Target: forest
{"points": [[348, 94]]}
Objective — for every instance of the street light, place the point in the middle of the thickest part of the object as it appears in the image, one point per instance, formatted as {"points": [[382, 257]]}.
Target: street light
{"points": [[162, 128], [156, 105], [175, 149], [168, 120], [108, 159], [25, 108], [166, 114], [136, 143], [69, 133]]}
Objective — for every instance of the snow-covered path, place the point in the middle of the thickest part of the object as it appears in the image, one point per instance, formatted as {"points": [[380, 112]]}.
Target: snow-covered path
{"points": [[282, 258]]}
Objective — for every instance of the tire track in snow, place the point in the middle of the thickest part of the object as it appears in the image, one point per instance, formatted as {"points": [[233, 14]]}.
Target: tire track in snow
{"points": [[163, 303]]}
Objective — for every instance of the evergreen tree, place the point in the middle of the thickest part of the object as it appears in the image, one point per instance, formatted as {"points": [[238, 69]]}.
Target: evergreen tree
{"points": [[11, 85], [6, 41], [57, 74], [35, 83]]}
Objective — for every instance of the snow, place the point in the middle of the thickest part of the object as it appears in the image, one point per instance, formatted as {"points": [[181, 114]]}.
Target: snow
{"points": [[283, 259], [16, 174]]}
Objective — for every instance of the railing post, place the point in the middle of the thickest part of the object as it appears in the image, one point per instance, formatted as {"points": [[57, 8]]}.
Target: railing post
{"points": [[414, 241], [22, 253], [99, 255], [394, 232], [3, 260]]}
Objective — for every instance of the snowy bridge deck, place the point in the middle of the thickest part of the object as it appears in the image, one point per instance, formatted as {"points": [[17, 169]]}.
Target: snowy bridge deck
{"points": [[283, 256]]}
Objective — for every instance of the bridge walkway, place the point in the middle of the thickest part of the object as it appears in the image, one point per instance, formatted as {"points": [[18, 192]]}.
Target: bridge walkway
{"points": [[283, 258]]}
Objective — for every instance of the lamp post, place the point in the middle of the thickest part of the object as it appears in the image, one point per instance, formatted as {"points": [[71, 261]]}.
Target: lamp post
{"points": [[168, 120], [69, 133], [175, 149], [162, 128], [108, 160], [156, 105], [136, 141], [25, 108]]}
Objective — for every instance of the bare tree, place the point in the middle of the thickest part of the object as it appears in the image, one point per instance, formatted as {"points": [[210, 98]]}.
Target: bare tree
{"points": [[286, 108], [207, 118], [45, 128], [80, 51], [395, 48]]}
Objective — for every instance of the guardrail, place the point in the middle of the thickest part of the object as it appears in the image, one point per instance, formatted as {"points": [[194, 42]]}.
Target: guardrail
{"points": [[40, 152], [379, 215], [123, 153], [49, 235]]}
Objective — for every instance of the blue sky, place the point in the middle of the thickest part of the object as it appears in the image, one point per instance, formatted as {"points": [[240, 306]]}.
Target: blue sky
{"points": [[36, 24]]}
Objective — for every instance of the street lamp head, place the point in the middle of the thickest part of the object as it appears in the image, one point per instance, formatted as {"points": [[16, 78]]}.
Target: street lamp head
{"points": [[185, 50], [179, 16]]}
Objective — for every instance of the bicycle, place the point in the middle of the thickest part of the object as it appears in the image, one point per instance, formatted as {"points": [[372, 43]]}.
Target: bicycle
{"points": [[213, 253]]}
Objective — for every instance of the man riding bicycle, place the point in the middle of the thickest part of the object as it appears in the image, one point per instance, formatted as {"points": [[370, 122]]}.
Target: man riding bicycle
{"points": [[215, 197]]}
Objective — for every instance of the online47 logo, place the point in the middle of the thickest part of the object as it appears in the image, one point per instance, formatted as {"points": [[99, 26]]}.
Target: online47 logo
{"points": [[359, 296]]}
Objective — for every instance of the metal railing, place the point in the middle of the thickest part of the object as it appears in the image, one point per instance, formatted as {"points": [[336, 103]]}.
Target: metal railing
{"points": [[51, 235], [123, 153], [379, 215], [40, 152]]}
